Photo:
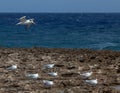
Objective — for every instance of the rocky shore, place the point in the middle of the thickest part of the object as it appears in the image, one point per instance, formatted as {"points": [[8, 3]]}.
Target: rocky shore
{"points": [[69, 63]]}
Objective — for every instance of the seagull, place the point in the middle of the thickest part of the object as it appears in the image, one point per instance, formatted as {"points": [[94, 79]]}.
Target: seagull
{"points": [[87, 74], [93, 81], [33, 76], [54, 74], [26, 22], [13, 67], [48, 83], [48, 66]]}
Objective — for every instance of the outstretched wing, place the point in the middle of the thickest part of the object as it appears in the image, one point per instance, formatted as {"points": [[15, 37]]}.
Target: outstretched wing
{"points": [[23, 19]]}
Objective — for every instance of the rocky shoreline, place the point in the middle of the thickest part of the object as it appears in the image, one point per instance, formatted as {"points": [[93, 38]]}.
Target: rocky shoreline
{"points": [[69, 63]]}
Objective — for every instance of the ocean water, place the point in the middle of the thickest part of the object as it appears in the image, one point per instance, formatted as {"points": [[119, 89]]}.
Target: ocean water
{"points": [[62, 30]]}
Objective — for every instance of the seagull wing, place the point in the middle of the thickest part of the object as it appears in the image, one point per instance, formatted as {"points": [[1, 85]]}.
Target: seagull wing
{"points": [[23, 19]]}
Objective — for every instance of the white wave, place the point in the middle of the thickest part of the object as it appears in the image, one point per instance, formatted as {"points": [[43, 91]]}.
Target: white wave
{"points": [[103, 45]]}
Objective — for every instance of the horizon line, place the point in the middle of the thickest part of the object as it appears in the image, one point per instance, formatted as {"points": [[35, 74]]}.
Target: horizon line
{"points": [[63, 12]]}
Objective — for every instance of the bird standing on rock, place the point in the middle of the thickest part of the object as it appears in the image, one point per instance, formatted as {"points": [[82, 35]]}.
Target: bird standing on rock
{"points": [[13, 67], [54, 74], [92, 82], [87, 74], [33, 76], [48, 66], [48, 83]]}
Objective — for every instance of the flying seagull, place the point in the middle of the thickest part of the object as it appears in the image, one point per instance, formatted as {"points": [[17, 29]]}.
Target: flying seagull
{"points": [[26, 22]]}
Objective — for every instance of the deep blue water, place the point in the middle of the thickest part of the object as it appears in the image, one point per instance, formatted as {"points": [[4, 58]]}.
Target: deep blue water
{"points": [[57, 30]]}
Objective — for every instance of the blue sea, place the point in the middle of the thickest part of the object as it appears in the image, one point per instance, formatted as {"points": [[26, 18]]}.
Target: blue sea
{"points": [[62, 30]]}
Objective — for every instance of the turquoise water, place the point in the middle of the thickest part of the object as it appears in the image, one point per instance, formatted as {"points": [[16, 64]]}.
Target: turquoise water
{"points": [[64, 30]]}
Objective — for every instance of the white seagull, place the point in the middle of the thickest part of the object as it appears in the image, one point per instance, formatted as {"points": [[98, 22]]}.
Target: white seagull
{"points": [[54, 74], [48, 66], [33, 76], [48, 83], [26, 22], [13, 67], [87, 74], [92, 82]]}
